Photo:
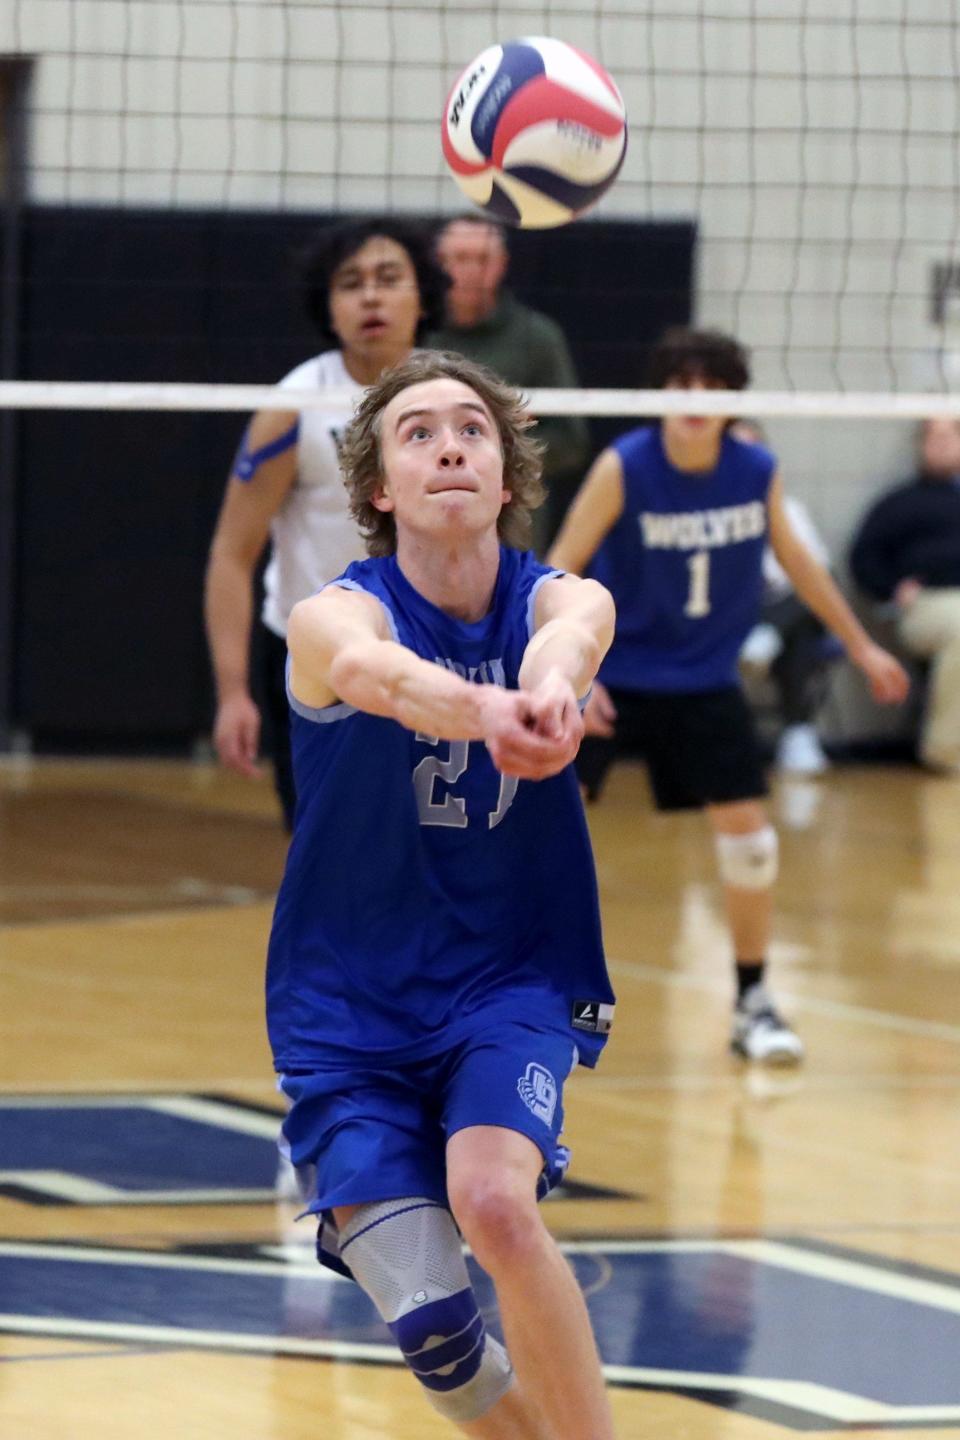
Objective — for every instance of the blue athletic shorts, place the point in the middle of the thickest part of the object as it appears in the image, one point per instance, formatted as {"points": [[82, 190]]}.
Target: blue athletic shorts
{"points": [[380, 1134]]}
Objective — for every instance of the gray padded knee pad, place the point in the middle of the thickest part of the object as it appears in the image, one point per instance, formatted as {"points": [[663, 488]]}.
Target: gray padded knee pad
{"points": [[406, 1255]]}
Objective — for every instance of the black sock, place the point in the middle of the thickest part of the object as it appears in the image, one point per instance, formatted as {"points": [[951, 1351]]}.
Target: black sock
{"points": [[749, 973]]}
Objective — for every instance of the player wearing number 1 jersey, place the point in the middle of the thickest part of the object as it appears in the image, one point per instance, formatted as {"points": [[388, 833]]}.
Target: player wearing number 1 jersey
{"points": [[435, 967], [673, 519]]}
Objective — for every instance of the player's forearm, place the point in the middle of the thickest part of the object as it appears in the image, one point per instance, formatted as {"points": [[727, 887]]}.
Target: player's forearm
{"points": [[572, 649], [565, 554], [819, 591], [578, 539], [228, 611], [573, 643], [384, 678]]}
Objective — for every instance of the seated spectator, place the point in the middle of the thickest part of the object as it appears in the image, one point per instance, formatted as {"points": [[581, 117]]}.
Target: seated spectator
{"points": [[907, 551], [789, 644]]}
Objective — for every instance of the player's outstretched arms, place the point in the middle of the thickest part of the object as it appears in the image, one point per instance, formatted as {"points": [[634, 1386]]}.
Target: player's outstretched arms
{"points": [[539, 734], [574, 622], [596, 508], [341, 649]]}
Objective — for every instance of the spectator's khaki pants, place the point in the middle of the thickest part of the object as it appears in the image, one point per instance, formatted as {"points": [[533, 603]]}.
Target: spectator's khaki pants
{"points": [[930, 628]]}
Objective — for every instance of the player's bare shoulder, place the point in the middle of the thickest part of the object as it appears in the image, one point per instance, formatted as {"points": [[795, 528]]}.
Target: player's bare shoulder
{"points": [[572, 596], [335, 608], [321, 628]]}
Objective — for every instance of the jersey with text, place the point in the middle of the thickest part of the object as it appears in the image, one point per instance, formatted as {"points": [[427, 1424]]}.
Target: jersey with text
{"points": [[426, 895], [684, 564]]}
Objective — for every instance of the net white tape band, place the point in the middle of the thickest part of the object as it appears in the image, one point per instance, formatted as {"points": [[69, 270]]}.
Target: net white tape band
{"points": [[82, 395]]}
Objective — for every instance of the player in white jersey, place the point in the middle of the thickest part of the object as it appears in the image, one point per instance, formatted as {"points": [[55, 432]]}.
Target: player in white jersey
{"points": [[373, 289]]}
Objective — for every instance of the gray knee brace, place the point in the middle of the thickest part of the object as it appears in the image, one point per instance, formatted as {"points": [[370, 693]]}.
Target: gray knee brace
{"points": [[406, 1255]]}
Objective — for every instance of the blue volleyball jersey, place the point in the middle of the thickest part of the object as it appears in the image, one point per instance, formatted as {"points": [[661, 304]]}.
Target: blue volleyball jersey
{"points": [[427, 896], [683, 564]]}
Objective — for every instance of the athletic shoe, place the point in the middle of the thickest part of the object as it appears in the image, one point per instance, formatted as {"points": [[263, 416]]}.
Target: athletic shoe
{"points": [[800, 752], [761, 648], [761, 1033]]}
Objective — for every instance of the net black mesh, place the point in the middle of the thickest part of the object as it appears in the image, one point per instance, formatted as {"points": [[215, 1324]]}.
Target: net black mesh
{"points": [[813, 142]]}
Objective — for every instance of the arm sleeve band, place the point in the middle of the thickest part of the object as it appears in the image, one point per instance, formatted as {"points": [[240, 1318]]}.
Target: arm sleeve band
{"points": [[248, 462]]}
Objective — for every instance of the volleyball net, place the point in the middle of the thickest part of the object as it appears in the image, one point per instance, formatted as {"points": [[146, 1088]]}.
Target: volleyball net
{"points": [[813, 144], [801, 156]]}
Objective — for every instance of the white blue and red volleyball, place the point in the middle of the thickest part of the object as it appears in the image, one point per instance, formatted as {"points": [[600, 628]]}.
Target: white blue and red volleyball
{"points": [[534, 131]]}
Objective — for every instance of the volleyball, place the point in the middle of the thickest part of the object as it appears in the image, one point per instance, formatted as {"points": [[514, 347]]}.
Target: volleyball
{"points": [[534, 131]]}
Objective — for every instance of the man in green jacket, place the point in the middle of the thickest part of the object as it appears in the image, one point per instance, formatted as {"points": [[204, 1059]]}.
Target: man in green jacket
{"points": [[525, 348]]}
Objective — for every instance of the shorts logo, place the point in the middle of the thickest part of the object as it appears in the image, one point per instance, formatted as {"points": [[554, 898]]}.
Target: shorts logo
{"points": [[538, 1091], [593, 1015]]}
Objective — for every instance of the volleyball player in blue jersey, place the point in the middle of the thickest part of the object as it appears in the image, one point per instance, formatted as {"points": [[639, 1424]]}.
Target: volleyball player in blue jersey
{"points": [[673, 519], [435, 967]]}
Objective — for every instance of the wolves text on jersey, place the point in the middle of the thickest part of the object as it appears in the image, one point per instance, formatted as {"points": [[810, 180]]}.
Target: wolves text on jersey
{"points": [[704, 529]]}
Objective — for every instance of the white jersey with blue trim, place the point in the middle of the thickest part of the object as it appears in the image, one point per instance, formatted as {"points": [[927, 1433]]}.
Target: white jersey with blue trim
{"points": [[684, 564], [314, 536], [426, 895]]}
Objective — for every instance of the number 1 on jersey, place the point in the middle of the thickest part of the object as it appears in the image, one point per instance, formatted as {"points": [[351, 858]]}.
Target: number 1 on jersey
{"points": [[698, 600]]}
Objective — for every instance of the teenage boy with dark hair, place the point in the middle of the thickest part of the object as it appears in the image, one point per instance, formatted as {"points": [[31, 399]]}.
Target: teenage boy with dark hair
{"points": [[673, 519]]}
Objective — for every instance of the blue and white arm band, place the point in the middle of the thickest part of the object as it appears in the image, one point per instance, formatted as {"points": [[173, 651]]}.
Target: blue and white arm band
{"points": [[248, 462]]}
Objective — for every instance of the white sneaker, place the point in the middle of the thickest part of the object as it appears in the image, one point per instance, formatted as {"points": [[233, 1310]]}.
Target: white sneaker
{"points": [[800, 752], [761, 1033], [799, 799]]}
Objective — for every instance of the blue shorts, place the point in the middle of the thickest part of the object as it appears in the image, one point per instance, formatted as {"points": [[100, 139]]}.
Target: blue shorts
{"points": [[380, 1134]]}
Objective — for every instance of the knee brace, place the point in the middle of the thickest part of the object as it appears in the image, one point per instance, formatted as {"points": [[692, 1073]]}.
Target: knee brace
{"points": [[748, 862], [406, 1255]]}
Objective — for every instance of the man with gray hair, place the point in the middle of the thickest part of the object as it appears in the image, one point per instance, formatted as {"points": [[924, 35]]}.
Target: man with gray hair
{"points": [[488, 324]]}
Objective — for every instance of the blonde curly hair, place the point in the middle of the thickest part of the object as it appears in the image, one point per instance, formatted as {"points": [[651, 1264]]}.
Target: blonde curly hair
{"points": [[361, 458]]}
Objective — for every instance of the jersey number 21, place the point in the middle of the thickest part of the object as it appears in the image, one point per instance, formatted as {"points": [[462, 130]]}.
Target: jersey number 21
{"points": [[446, 808]]}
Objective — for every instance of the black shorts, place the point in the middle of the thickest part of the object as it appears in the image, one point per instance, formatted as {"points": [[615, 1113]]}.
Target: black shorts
{"points": [[700, 748]]}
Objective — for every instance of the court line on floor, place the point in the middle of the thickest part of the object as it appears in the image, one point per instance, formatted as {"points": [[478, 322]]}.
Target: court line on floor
{"points": [[767, 1085], [138, 1091], [74, 1254], [200, 1339], [107, 1352], [832, 1009], [264, 898], [202, 1109], [936, 1293], [804, 1397], [807, 1397]]}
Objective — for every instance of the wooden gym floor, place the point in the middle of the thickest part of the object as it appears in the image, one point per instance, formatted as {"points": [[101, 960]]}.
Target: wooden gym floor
{"points": [[762, 1251]]}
